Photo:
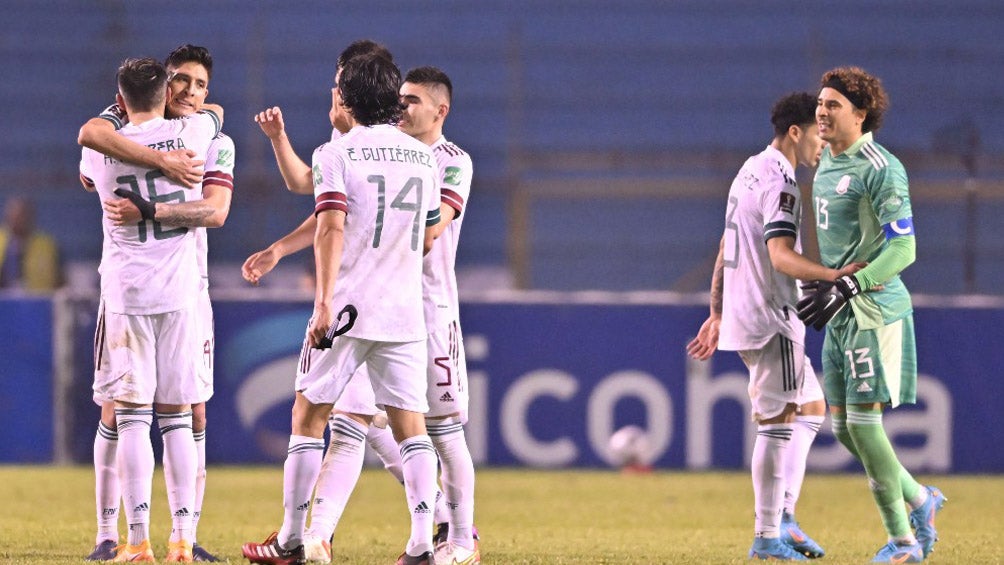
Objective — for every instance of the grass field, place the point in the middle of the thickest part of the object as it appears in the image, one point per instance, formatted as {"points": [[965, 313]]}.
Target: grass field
{"points": [[538, 517]]}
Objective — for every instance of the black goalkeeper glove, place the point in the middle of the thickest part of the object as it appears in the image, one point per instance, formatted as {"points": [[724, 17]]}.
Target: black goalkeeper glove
{"points": [[147, 209], [823, 299], [334, 331]]}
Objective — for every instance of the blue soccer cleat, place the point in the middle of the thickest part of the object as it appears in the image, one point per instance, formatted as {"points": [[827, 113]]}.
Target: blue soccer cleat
{"points": [[104, 551], [773, 549], [199, 553], [922, 519], [794, 537], [893, 552]]}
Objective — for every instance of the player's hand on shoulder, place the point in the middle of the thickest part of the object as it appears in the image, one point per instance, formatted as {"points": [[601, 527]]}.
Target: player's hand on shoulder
{"points": [[182, 167], [704, 345], [270, 122], [258, 265]]}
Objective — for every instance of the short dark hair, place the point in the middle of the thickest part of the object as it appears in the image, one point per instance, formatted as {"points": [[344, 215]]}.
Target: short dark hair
{"points": [[363, 47], [143, 83], [370, 86], [430, 75], [190, 53], [864, 90], [793, 109]]}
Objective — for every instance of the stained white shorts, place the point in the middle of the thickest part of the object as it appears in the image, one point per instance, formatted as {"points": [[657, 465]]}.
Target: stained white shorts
{"points": [[395, 371], [780, 374], [156, 358]]}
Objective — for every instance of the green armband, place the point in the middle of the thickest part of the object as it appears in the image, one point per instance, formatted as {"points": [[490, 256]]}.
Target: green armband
{"points": [[898, 254]]}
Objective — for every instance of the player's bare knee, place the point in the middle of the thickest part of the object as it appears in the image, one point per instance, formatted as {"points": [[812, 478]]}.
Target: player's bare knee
{"points": [[199, 417]]}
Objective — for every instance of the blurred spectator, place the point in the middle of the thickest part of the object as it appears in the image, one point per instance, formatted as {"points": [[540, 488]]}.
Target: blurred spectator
{"points": [[29, 259]]}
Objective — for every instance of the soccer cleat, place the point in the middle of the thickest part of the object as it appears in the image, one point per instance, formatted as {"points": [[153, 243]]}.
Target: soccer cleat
{"points": [[134, 553], [316, 550], [893, 552], [922, 519], [179, 552], [269, 552], [104, 551], [794, 537], [774, 549], [441, 535], [200, 553], [425, 559], [450, 553]]}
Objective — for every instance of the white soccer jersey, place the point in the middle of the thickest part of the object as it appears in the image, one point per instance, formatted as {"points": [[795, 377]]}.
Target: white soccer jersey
{"points": [[149, 268], [758, 302], [385, 181], [219, 172], [439, 279]]}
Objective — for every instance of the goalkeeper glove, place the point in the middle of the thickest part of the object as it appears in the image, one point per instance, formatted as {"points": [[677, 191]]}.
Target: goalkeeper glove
{"points": [[334, 331], [823, 299], [147, 209]]}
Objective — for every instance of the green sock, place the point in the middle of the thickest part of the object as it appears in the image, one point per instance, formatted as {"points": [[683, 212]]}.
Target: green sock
{"points": [[910, 487], [883, 468]]}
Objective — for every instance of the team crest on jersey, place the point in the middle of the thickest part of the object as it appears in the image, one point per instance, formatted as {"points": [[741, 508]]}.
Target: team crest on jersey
{"points": [[453, 175], [787, 203], [225, 158], [318, 177], [843, 185]]}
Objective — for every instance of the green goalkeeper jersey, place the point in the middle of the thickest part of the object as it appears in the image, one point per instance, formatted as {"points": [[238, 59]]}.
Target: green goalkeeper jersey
{"points": [[861, 198]]}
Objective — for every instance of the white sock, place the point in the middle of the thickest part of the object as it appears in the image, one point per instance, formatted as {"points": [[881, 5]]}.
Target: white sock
{"points": [[135, 463], [200, 481], [458, 477], [180, 468], [418, 460], [381, 440], [803, 433], [768, 477], [339, 474], [107, 494], [299, 474]]}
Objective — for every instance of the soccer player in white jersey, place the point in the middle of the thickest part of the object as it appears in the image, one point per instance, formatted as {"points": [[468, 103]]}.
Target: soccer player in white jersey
{"points": [[753, 297], [426, 94], [376, 199], [147, 344], [190, 69]]}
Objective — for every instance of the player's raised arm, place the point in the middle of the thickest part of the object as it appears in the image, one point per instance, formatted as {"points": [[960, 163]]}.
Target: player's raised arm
{"points": [[294, 171]]}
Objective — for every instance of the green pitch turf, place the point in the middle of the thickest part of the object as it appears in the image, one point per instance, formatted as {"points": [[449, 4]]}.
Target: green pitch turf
{"points": [[538, 517]]}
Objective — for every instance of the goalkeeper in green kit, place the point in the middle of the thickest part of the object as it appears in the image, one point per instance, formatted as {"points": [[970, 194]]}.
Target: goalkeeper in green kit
{"points": [[862, 207]]}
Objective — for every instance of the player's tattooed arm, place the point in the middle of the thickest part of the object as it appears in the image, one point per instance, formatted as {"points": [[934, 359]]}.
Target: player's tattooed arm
{"points": [[210, 212]]}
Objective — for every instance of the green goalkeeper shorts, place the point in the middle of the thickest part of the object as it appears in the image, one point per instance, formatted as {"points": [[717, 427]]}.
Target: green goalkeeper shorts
{"points": [[869, 366]]}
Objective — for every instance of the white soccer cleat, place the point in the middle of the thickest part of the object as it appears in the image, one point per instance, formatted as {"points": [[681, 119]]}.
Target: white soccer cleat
{"points": [[450, 553], [316, 550]]}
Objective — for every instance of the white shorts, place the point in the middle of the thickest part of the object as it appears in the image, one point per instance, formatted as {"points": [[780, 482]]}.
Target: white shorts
{"points": [[780, 374], [156, 358], [447, 373], [395, 370], [358, 398]]}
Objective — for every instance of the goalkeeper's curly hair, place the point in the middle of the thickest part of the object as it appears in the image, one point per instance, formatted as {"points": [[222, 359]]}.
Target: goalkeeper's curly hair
{"points": [[370, 86], [865, 91]]}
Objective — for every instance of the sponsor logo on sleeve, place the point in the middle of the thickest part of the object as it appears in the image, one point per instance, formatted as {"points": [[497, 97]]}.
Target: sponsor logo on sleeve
{"points": [[318, 177], [787, 203], [225, 158], [453, 175]]}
